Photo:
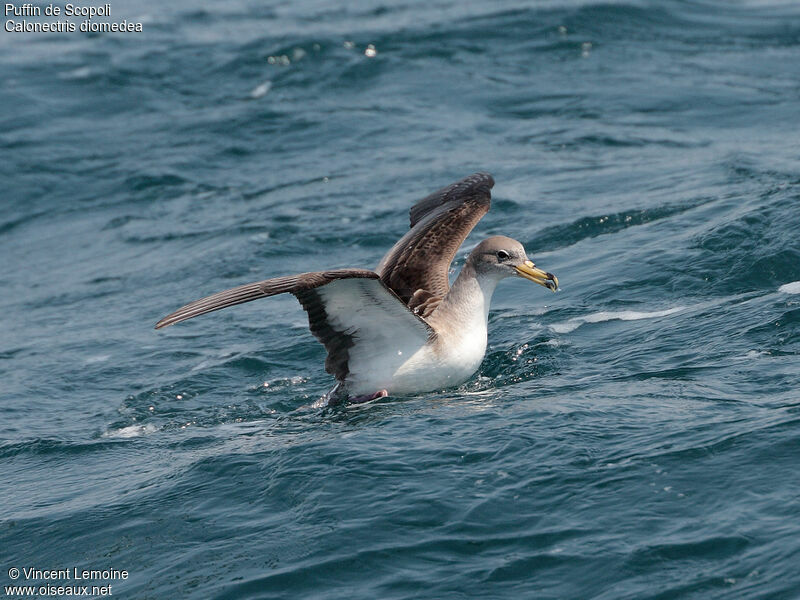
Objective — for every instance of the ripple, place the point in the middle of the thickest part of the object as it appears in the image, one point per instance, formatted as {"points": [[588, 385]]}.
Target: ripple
{"points": [[589, 227]]}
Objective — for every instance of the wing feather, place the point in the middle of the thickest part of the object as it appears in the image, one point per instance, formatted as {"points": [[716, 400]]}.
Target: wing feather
{"points": [[350, 311], [417, 266], [260, 289]]}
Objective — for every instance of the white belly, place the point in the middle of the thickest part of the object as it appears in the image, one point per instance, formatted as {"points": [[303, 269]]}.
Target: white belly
{"points": [[428, 368], [406, 364]]}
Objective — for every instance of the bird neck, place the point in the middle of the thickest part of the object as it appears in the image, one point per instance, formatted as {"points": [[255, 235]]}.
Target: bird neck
{"points": [[467, 302]]}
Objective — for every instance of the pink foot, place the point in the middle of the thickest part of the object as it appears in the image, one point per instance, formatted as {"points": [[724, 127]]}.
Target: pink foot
{"points": [[368, 397]]}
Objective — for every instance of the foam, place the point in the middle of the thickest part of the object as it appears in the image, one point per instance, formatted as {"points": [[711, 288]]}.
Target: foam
{"points": [[600, 317], [131, 431], [79, 73], [261, 90], [790, 288], [97, 359]]}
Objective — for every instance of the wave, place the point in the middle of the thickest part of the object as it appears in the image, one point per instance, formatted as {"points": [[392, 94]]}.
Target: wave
{"points": [[602, 316]]}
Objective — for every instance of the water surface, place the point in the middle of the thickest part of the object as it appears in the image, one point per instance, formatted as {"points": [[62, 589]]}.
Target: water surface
{"points": [[635, 435]]}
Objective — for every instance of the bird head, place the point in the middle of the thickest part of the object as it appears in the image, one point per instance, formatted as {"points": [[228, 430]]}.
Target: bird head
{"points": [[502, 257]]}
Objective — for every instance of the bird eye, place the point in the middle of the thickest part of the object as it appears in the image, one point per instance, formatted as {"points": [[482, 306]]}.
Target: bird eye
{"points": [[503, 255]]}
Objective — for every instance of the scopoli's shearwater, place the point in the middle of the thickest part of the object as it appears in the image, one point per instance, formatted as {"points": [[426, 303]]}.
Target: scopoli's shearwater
{"points": [[402, 329]]}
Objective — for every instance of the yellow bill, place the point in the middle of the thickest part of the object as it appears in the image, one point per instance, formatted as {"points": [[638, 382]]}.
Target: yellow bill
{"points": [[531, 272]]}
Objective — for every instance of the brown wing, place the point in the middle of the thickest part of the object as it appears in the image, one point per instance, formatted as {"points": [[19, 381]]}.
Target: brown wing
{"points": [[350, 311], [417, 266]]}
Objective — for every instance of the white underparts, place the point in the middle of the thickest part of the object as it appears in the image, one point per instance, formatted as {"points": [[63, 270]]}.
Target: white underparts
{"points": [[392, 351]]}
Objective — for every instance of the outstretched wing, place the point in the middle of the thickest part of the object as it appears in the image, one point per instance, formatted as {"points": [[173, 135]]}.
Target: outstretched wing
{"points": [[350, 311], [417, 266]]}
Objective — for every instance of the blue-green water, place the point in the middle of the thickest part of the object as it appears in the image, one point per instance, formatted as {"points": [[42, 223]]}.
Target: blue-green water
{"points": [[636, 435]]}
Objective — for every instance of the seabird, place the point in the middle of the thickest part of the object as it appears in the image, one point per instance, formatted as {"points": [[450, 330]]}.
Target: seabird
{"points": [[401, 329]]}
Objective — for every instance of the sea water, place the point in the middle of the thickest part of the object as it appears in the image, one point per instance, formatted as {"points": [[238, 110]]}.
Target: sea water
{"points": [[635, 435]]}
